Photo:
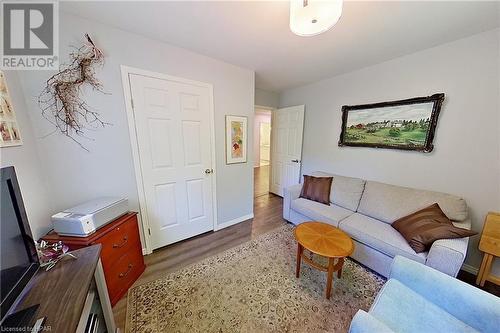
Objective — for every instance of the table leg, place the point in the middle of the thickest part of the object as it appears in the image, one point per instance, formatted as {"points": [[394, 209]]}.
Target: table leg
{"points": [[339, 272], [329, 278], [481, 268], [487, 269], [300, 250]]}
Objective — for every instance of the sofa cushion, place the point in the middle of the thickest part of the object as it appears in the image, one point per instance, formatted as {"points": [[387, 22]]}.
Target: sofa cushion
{"points": [[403, 310], [423, 227], [331, 214], [346, 191], [379, 236], [388, 202], [317, 189]]}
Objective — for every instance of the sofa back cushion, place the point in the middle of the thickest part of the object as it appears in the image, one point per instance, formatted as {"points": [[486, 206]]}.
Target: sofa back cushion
{"points": [[388, 203], [346, 191]]}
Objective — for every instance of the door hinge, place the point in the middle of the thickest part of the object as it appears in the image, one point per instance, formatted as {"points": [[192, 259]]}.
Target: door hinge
{"points": [[149, 231], [132, 102]]}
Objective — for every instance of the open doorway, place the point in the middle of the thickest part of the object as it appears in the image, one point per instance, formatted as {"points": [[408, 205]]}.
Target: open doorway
{"points": [[262, 150]]}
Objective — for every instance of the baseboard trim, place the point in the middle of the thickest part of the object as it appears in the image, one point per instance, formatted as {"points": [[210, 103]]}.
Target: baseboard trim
{"points": [[144, 251], [470, 269], [233, 222]]}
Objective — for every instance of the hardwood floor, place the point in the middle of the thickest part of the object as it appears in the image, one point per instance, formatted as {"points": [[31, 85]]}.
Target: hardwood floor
{"points": [[261, 180], [470, 278], [268, 212]]}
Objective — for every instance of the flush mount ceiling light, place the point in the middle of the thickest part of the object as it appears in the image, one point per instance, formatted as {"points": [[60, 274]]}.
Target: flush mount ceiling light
{"points": [[312, 17]]}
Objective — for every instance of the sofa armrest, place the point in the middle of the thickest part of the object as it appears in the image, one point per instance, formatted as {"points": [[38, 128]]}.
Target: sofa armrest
{"points": [[448, 255], [471, 305], [289, 194], [363, 322]]}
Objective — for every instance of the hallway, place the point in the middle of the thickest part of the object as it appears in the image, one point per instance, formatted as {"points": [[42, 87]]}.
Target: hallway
{"points": [[261, 180]]}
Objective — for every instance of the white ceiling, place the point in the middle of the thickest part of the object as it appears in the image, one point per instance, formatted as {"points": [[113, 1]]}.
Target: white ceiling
{"points": [[256, 35]]}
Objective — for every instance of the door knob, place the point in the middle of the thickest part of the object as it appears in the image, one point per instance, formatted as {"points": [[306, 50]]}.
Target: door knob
{"points": [[208, 171], [295, 161]]}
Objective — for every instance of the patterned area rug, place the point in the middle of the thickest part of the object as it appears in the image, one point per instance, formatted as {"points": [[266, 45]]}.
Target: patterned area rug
{"points": [[252, 288]]}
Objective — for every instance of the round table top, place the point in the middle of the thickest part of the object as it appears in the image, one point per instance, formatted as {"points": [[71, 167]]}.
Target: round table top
{"points": [[324, 239]]}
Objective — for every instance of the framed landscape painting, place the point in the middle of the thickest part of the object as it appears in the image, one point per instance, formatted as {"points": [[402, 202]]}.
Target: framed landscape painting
{"points": [[236, 139], [405, 124]]}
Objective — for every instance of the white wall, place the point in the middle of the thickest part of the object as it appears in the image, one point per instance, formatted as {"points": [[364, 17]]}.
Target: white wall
{"points": [[266, 98], [466, 158], [261, 116], [75, 175], [25, 160]]}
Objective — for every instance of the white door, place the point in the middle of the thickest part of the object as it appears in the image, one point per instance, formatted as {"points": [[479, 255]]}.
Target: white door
{"points": [[287, 128], [174, 127], [265, 144]]}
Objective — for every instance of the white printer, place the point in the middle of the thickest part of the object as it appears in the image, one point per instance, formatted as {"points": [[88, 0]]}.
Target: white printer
{"points": [[85, 219]]}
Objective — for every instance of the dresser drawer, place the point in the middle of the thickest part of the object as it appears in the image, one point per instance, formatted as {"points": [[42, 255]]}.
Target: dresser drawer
{"points": [[122, 239], [123, 273]]}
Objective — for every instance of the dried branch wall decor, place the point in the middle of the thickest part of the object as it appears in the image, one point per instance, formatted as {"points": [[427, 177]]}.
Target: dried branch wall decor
{"points": [[61, 100]]}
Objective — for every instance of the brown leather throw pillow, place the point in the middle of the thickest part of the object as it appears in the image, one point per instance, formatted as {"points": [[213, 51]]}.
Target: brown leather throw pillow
{"points": [[422, 228], [317, 189]]}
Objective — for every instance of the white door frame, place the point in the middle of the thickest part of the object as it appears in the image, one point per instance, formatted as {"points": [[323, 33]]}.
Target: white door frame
{"points": [[143, 215], [268, 108]]}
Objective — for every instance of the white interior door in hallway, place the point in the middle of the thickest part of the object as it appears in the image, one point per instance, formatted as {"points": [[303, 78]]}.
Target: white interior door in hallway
{"points": [[287, 130], [173, 122]]}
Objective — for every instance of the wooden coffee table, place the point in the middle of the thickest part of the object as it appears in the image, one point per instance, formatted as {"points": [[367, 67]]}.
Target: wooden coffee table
{"points": [[324, 240]]}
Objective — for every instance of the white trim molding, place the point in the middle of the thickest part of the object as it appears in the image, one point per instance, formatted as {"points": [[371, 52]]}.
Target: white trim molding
{"points": [[233, 222], [262, 107], [470, 269], [143, 214]]}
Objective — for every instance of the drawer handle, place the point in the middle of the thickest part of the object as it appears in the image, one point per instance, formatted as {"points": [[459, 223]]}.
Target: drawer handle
{"points": [[125, 239], [128, 271]]}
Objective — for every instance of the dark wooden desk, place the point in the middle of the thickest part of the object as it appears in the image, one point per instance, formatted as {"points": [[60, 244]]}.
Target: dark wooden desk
{"points": [[62, 292]]}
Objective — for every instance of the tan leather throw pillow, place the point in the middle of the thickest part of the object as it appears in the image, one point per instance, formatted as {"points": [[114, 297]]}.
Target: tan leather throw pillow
{"points": [[422, 228], [317, 189]]}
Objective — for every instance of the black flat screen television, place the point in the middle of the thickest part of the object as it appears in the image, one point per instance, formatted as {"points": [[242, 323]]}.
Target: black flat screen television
{"points": [[18, 257]]}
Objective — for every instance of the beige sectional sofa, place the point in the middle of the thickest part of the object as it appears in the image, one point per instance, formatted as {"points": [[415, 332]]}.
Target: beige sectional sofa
{"points": [[365, 210]]}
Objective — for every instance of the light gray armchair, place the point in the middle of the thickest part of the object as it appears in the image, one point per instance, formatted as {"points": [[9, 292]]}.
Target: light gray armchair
{"points": [[418, 298]]}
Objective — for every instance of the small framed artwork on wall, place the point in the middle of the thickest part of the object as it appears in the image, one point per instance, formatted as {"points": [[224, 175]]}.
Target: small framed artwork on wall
{"points": [[236, 139], [9, 131]]}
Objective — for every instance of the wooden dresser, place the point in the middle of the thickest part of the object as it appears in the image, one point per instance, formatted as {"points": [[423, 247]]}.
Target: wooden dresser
{"points": [[121, 253]]}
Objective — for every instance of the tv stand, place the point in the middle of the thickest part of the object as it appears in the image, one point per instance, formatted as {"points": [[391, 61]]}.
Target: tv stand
{"points": [[70, 294]]}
